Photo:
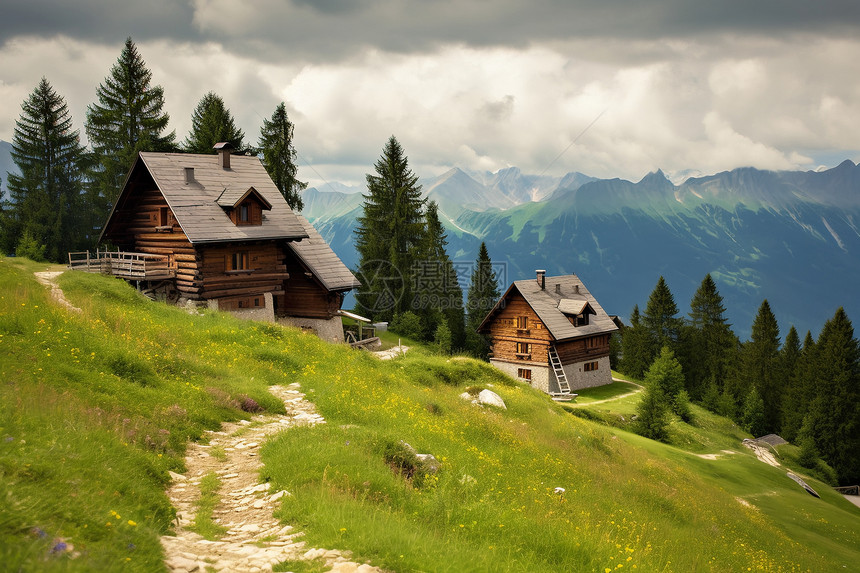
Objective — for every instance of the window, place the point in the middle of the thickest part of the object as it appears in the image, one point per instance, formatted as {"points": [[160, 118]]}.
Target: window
{"points": [[522, 322], [524, 374], [163, 219], [524, 349], [240, 261], [592, 342], [590, 366], [244, 213]]}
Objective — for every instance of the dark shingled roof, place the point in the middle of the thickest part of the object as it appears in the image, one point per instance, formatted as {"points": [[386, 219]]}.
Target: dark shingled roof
{"points": [[195, 204], [326, 266], [567, 291]]}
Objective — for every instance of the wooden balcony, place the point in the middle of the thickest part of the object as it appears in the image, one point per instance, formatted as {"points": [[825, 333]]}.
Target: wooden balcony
{"points": [[126, 265]]}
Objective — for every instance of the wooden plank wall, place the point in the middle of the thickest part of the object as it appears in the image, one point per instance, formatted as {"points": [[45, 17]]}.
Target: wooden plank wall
{"points": [[504, 334], [219, 281], [583, 349], [304, 296]]}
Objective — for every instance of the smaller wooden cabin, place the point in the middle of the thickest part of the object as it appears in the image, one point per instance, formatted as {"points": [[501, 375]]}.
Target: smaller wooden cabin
{"points": [[551, 333], [224, 234]]}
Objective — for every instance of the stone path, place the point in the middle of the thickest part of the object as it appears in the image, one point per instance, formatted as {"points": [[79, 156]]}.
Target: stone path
{"points": [[49, 279], [255, 541], [398, 350]]}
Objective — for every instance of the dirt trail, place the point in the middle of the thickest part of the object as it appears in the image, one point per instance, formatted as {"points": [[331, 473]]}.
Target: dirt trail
{"points": [[255, 541], [49, 279]]}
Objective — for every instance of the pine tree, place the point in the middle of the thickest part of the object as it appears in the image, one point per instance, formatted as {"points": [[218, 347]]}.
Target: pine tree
{"points": [[635, 357], [794, 397], [46, 198], [660, 320], [211, 123], [437, 293], [127, 119], [389, 233], [760, 366], [481, 298], [652, 415], [279, 156], [753, 414], [707, 339], [835, 409]]}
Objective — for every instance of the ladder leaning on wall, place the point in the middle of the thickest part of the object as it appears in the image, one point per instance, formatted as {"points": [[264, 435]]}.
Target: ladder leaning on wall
{"points": [[555, 362]]}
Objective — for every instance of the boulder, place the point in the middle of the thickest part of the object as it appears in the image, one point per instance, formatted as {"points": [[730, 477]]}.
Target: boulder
{"points": [[490, 398]]}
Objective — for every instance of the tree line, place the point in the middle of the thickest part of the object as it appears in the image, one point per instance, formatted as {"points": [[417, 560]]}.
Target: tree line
{"points": [[64, 191], [406, 273], [806, 391]]}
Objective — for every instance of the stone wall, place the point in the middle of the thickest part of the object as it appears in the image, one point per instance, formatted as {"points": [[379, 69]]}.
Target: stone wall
{"points": [[330, 330], [578, 378], [266, 313], [540, 374]]}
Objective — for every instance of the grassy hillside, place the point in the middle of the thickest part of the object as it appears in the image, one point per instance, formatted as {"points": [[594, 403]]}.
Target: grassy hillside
{"points": [[96, 407]]}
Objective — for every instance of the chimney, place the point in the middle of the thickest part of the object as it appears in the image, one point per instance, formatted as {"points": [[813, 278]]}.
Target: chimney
{"points": [[223, 149], [541, 278], [189, 175], [576, 289], [557, 288]]}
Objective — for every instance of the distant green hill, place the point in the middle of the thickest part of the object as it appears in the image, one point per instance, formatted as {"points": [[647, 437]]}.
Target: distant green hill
{"points": [[97, 406]]}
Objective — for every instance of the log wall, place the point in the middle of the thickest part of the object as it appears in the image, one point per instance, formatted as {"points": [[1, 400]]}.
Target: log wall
{"points": [[304, 296], [504, 334]]}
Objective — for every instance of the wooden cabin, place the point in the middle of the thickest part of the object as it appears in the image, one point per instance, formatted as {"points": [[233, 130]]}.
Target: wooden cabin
{"points": [[551, 333], [222, 233]]}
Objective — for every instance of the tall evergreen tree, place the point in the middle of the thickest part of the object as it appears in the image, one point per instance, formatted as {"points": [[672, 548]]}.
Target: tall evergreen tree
{"points": [[760, 366], [707, 339], [279, 156], [835, 409], [437, 294], [482, 296], [660, 320], [389, 233], [794, 397], [636, 348], [46, 198], [127, 119], [211, 123]]}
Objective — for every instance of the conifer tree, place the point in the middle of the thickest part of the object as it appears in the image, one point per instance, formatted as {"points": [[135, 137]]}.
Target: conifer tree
{"points": [[127, 119], [279, 156], [389, 233], [481, 298], [760, 366], [835, 409], [754, 414], [211, 123], [794, 397], [636, 347], [707, 339], [46, 198], [660, 320], [437, 293]]}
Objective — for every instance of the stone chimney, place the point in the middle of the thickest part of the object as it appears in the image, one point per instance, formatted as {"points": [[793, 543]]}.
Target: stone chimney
{"points": [[541, 278], [223, 149]]}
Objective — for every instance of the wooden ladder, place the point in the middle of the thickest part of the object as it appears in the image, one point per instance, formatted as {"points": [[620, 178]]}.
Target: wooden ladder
{"points": [[555, 362]]}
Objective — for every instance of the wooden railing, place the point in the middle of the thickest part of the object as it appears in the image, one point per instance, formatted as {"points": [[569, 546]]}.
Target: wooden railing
{"points": [[136, 266]]}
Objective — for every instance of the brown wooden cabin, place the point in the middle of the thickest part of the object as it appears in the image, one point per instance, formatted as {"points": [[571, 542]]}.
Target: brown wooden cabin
{"points": [[552, 333], [227, 236]]}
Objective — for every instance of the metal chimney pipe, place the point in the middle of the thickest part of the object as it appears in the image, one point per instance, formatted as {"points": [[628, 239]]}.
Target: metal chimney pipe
{"points": [[541, 278], [223, 149]]}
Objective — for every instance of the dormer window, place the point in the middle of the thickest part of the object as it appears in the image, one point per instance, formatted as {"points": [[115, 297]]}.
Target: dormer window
{"points": [[244, 208]]}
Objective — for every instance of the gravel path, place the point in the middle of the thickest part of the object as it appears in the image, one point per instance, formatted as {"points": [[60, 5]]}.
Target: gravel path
{"points": [[49, 279], [255, 541]]}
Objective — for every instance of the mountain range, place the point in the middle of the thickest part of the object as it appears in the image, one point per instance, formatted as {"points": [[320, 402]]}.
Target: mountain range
{"points": [[792, 237]]}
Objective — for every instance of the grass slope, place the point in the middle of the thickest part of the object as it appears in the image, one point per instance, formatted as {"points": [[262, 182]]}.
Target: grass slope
{"points": [[96, 408]]}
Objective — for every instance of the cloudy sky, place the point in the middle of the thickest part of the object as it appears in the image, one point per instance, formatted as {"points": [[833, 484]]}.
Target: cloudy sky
{"points": [[611, 88]]}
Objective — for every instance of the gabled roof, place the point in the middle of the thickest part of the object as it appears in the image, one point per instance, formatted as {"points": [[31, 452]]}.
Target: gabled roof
{"points": [[553, 304], [230, 198], [315, 253], [195, 203]]}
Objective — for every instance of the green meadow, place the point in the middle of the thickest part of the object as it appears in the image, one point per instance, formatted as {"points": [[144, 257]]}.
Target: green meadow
{"points": [[96, 407]]}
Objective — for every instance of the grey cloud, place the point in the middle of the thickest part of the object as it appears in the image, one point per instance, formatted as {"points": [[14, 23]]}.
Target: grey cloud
{"points": [[323, 29]]}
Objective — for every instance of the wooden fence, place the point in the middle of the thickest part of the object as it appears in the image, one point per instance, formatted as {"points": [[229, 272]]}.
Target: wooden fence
{"points": [[132, 266]]}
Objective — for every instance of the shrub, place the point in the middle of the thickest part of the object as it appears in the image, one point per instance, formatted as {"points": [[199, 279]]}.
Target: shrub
{"points": [[681, 407], [651, 421], [29, 247], [442, 337], [407, 324]]}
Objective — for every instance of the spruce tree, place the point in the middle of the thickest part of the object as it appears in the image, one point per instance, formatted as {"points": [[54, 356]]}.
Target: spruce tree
{"points": [[127, 119], [794, 398], [660, 320], [279, 156], [46, 200], [481, 298], [389, 234], [753, 418], [835, 409], [211, 123], [707, 339], [760, 366], [636, 354]]}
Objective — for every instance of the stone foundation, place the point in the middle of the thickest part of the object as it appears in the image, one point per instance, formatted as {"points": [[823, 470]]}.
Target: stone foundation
{"points": [[544, 379], [330, 330], [265, 313]]}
